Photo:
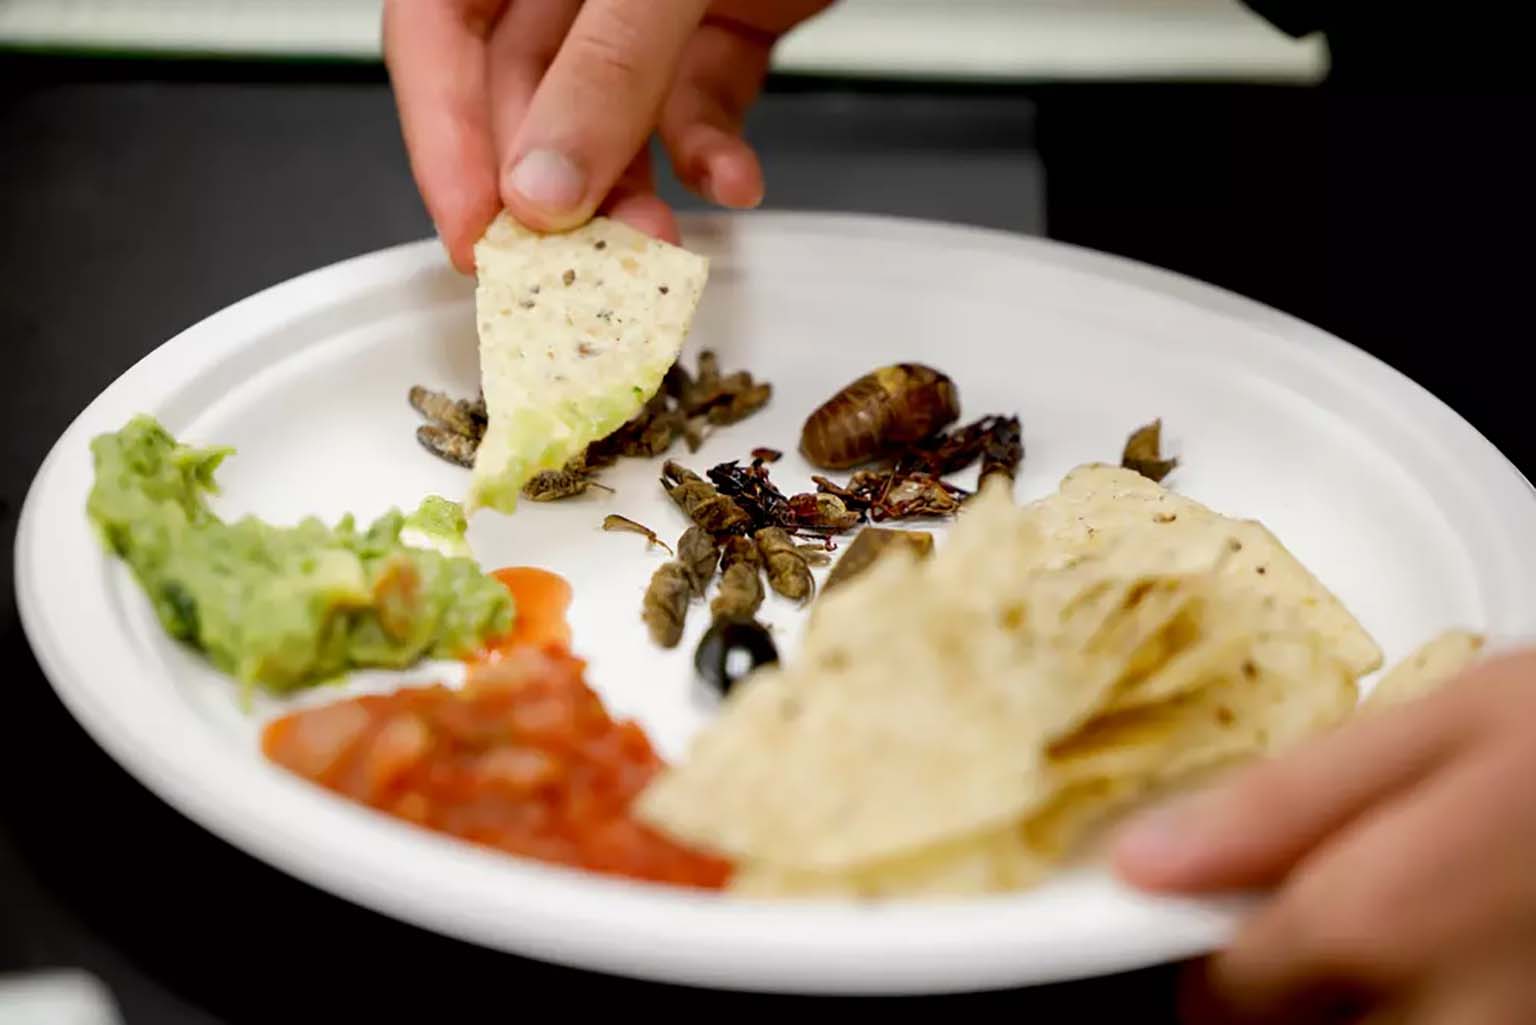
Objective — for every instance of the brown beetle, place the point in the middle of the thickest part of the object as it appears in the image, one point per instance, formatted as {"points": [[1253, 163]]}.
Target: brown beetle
{"points": [[895, 405]]}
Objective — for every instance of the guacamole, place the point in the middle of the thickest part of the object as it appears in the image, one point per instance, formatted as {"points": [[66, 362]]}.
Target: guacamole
{"points": [[286, 607]]}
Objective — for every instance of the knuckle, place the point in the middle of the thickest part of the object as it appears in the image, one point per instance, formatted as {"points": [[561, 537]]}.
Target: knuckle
{"points": [[610, 52], [479, 16]]}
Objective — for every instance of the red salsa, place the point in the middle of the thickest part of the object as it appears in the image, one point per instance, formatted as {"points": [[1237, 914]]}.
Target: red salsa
{"points": [[524, 758]]}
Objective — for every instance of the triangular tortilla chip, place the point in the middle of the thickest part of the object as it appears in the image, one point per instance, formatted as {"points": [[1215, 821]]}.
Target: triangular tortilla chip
{"points": [[577, 331]]}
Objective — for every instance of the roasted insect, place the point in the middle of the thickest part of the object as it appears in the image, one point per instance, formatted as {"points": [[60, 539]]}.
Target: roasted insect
{"points": [[1003, 450], [614, 523], [447, 444], [918, 495], [789, 571], [552, 485], [739, 550], [702, 389], [913, 484], [996, 440], [743, 398], [706, 382], [894, 495], [699, 554], [681, 409], [949, 452], [726, 638], [652, 432], [665, 608], [1144, 453], [677, 382], [895, 405], [701, 502], [750, 488], [721, 399], [740, 594], [850, 500], [822, 513], [871, 543], [458, 415]]}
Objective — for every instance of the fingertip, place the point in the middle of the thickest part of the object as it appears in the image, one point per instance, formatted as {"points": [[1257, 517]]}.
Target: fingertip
{"points": [[462, 257], [1153, 850], [547, 191], [734, 177], [648, 213], [719, 167], [459, 226]]}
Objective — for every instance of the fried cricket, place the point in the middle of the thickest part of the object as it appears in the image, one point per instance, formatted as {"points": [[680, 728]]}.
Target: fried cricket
{"points": [[553, 485], [701, 502], [789, 571], [665, 609], [458, 415], [739, 550], [680, 410], [447, 444], [699, 554], [1003, 449], [740, 594]]}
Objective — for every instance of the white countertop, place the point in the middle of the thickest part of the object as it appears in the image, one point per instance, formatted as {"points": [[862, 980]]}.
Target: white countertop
{"points": [[944, 39]]}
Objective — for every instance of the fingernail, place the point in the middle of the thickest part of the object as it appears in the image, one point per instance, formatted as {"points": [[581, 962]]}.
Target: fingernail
{"points": [[549, 180]]}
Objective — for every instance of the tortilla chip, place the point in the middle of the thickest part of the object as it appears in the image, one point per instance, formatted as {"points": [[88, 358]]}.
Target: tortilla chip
{"points": [[955, 724], [1282, 690], [1433, 666], [1100, 505], [577, 331], [995, 861]]}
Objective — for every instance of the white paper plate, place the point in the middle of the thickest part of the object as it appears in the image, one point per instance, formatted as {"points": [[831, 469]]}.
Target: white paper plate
{"points": [[1399, 505]]}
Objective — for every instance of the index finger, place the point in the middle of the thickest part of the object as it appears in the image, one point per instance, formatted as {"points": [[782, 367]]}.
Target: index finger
{"points": [[1251, 830], [436, 55], [595, 108]]}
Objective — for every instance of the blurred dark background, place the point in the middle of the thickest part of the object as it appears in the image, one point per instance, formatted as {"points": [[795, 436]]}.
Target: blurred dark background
{"points": [[139, 195]]}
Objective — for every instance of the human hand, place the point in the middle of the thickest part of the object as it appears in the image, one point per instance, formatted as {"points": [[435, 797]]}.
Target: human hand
{"points": [[546, 107], [1402, 855]]}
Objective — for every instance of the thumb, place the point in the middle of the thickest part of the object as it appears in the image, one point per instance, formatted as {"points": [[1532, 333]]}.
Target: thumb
{"points": [[594, 109]]}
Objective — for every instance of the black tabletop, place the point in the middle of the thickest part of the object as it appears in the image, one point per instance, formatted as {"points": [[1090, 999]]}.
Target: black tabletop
{"points": [[138, 198]]}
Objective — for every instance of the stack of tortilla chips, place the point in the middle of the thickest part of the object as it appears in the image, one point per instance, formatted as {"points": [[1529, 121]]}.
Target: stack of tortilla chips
{"points": [[962, 724]]}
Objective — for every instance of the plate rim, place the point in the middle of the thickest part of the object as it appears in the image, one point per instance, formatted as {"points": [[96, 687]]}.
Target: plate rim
{"points": [[804, 969]]}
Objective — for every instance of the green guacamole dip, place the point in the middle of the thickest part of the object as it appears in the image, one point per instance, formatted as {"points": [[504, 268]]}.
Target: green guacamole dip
{"points": [[286, 607]]}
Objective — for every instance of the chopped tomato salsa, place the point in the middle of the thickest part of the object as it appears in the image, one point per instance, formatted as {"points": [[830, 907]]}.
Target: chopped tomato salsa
{"points": [[524, 759], [541, 599]]}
